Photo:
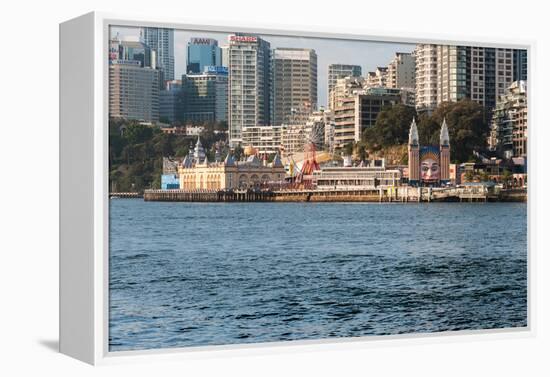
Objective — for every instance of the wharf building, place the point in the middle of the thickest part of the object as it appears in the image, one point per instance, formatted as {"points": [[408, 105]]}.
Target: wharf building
{"points": [[161, 40], [339, 71], [429, 165], [250, 85], [508, 136], [204, 95], [494, 170], [294, 82], [356, 178], [197, 173], [169, 179], [201, 53]]}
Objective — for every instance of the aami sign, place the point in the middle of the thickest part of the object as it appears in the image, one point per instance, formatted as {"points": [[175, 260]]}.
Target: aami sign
{"points": [[202, 41]]}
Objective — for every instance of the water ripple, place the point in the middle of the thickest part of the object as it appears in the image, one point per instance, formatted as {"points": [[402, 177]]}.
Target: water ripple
{"points": [[188, 274]]}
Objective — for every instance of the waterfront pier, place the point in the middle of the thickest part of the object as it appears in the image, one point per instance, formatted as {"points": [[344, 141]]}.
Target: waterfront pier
{"points": [[208, 196], [403, 194], [125, 195]]}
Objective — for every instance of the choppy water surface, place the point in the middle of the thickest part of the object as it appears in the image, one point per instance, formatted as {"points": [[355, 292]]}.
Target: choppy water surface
{"points": [[190, 274]]}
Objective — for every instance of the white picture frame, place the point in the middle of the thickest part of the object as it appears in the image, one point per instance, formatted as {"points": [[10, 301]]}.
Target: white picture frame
{"points": [[84, 221]]}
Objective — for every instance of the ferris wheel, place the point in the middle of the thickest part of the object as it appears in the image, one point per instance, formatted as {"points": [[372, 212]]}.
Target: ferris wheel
{"points": [[315, 135]]}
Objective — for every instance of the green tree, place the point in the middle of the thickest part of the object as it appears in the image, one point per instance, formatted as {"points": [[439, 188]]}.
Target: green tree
{"points": [[238, 152], [391, 127], [164, 144], [483, 176], [348, 149], [136, 153], [428, 130], [468, 128], [138, 133], [506, 177], [182, 151], [361, 149]]}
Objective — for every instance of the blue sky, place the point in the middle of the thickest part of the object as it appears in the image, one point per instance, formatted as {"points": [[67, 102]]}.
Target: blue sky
{"points": [[368, 55]]}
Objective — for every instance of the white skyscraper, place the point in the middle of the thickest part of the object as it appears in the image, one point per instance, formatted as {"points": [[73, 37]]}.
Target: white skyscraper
{"points": [[249, 85], [426, 76]]}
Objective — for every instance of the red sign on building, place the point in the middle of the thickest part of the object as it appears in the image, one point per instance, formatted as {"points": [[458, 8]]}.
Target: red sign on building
{"points": [[243, 38]]}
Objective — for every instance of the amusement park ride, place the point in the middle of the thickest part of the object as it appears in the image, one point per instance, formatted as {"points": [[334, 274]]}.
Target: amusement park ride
{"points": [[304, 176]]}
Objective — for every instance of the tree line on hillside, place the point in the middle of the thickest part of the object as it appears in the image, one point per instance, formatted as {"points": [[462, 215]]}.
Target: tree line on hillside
{"points": [[466, 121], [136, 152]]}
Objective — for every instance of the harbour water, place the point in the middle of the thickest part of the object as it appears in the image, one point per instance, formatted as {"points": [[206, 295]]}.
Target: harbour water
{"points": [[195, 274]]}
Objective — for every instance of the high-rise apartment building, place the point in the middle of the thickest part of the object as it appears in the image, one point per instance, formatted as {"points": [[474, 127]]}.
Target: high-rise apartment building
{"points": [[133, 81], [401, 71], [492, 69], [202, 52], [477, 73], [133, 91], [520, 65], [377, 79], [266, 140], [250, 85], [161, 40], [425, 56], [205, 96], [446, 73], [338, 71], [294, 83], [343, 88], [509, 123], [452, 68]]}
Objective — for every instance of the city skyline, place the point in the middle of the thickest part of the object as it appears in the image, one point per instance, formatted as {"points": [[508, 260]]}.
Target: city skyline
{"points": [[274, 82], [367, 54]]}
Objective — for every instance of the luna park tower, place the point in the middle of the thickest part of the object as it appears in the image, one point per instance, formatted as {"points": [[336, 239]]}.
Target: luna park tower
{"points": [[416, 155]]}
